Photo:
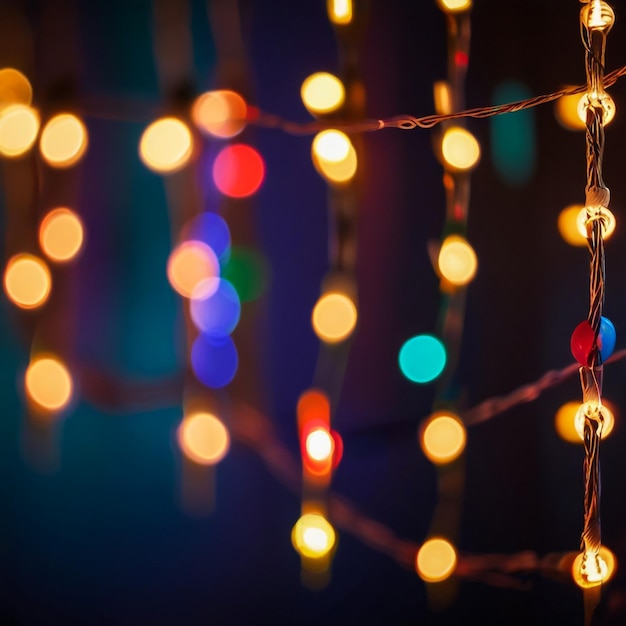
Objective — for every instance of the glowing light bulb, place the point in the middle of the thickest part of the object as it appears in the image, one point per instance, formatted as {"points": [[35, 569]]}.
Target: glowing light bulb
{"points": [[331, 145], [166, 145], [203, 438], [48, 383], [220, 113], [607, 220], [238, 171], [443, 438], [15, 88], [19, 125], [454, 6], [189, 264], [27, 281], [588, 100], [457, 260], [63, 140], [313, 536], [61, 235], [322, 93], [459, 149], [606, 419], [597, 15], [568, 225], [340, 11], [591, 570], [339, 173], [334, 317], [436, 560], [569, 424], [319, 444]]}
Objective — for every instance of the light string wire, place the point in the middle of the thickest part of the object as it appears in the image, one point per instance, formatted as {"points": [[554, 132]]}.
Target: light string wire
{"points": [[407, 122], [596, 19]]}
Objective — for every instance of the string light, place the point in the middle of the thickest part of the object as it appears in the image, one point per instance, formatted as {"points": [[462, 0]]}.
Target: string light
{"points": [[459, 149], [27, 281], [340, 11], [436, 560], [220, 113], [15, 88], [61, 235], [442, 438], [313, 536], [203, 438], [48, 383], [19, 126], [457, 260], [166, 145], [334, 317], [322, 92], [63, 140]]}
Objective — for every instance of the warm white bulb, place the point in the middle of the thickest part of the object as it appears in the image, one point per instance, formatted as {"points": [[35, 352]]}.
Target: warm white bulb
{"points": [[593, 99], [598, 15], [607, 221]]}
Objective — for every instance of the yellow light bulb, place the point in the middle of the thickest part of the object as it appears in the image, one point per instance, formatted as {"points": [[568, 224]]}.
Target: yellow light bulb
{"points": [[607, 221], [27, 281], [166, 145], [338, 173], [598, 15], [203, 438], [459, 149], [63, 140], [604, 100], [566, 112], [454, 6], [340, 11], [591, 570], [443, 438], [19, 125], [322, 93], [61, 235], [436, 560], [606, 424], [319, 444], [457, 260], [331, 145], [313, 536], [48, 383], [334, 317]]}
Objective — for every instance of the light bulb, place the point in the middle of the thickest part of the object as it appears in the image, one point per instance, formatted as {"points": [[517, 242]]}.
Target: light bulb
{"points": [[605, 418], [454, 6], [597, 15], [594, 99], [459, 149], [457, 260], [319, 444], [607, 220], [443, 438], [322, 93], [436, 560], [340, 11], [313, 536]]}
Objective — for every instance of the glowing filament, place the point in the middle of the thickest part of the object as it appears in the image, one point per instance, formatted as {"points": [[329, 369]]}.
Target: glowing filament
{"points": [[313, 536], [606, 218], [436, 560], [340, 11], [598, 15]]}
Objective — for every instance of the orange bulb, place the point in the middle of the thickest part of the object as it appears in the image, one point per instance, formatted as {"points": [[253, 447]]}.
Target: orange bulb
{"points": [[19, 125], [27, 281], [190, 265], [15, 88], [61, 235], [436, 560], [220, 113], [443, 438], [203, 438], [48, 383], [63, 140]]}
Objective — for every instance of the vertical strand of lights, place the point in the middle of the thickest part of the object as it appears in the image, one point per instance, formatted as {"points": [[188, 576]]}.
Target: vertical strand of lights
{"points": [[442, 435], [591, 338], [334, 318], [169, 147]]}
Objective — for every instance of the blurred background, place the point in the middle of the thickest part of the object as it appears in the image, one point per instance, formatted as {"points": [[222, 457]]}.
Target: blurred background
{"points": [[94, 528]]}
